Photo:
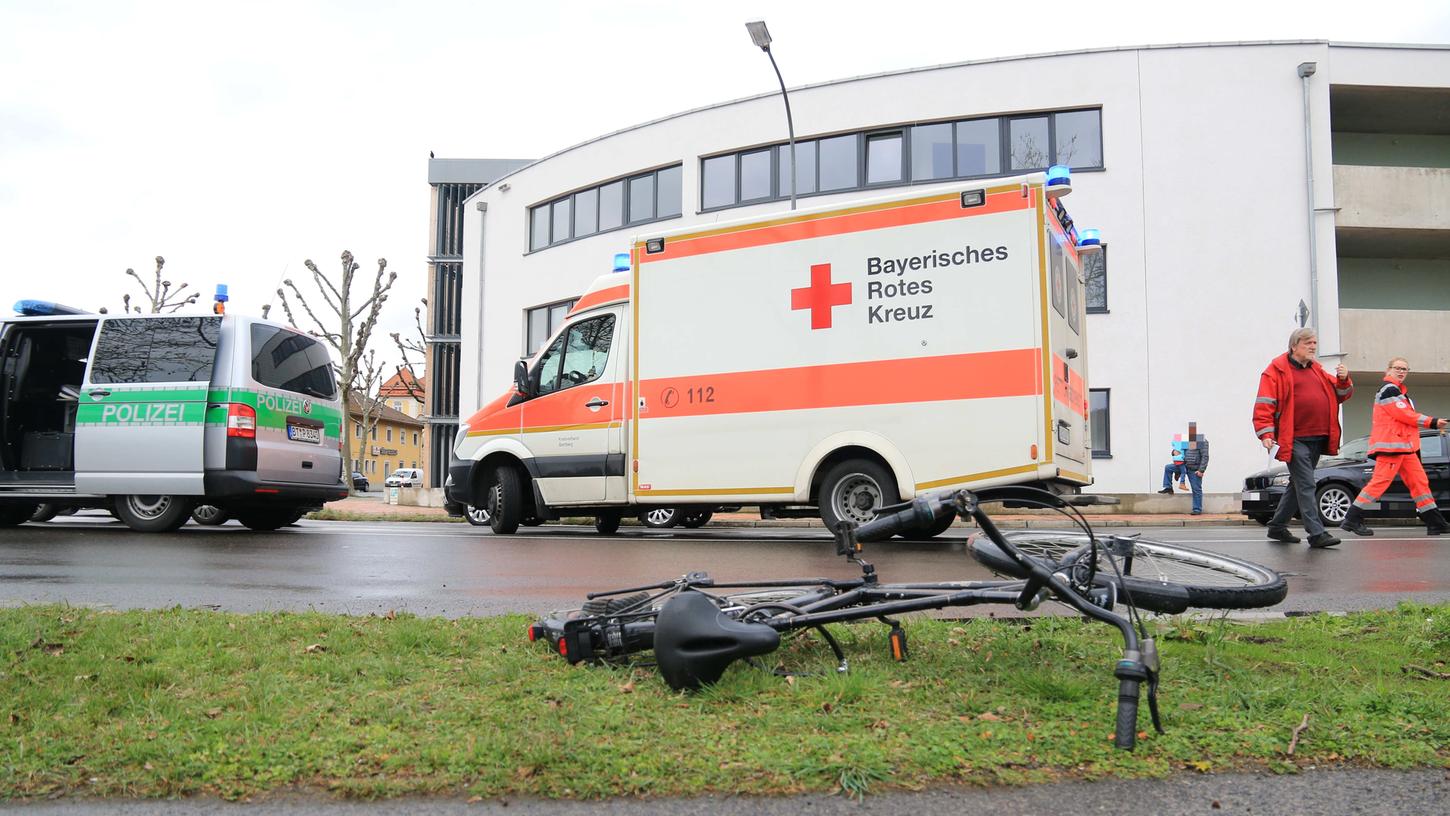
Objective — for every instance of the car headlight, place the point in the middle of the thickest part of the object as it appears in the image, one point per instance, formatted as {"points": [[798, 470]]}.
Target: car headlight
{"points": [[1282, 480]]}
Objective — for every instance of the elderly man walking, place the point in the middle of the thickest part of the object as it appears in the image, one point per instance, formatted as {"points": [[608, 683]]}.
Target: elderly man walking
{"points": [[1394, 444], [1297, 408]]}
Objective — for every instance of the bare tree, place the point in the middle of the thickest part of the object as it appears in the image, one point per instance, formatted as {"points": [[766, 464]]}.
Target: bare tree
{"points": [[348, 330], [160, 297], [409, 349]]}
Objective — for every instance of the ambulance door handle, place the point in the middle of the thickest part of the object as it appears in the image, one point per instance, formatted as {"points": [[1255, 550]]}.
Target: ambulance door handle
{"points": [[100, 392], [596, 403]]}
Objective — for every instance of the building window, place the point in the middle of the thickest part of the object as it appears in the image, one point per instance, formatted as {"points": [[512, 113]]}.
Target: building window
{"points": [[1098, 424], [415, 439], [389, 434], [375, 433], [929, 152], [542, 322], [884, 156], [1095, 276], [639, 199]]}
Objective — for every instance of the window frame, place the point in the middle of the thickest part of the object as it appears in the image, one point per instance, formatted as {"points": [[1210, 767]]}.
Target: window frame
{"points": [[904, 131], [1087, 301], [545, 209], [1101, 449], [553, 328]]}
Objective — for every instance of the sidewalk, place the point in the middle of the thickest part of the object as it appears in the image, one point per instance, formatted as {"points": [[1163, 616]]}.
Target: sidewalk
{"points": [[373, 505]]}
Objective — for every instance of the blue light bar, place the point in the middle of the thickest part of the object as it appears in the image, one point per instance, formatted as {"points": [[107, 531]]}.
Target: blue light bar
{"points": [[1089, 240], [621, 262], [221, 293], [1058, 174], [45, 308]]}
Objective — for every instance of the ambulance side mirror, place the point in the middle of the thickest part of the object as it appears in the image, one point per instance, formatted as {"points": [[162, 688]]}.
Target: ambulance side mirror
{"points": [[521, 379]]}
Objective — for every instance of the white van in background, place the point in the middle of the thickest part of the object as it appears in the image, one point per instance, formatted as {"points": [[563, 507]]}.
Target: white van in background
{"points": [[151, 415]]}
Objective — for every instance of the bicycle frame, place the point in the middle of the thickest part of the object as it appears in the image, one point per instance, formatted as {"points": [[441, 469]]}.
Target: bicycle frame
{"points": [[694, 646]]}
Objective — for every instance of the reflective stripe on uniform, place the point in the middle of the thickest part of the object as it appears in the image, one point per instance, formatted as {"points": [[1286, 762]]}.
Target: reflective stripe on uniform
{"points": [[1267, 400]]}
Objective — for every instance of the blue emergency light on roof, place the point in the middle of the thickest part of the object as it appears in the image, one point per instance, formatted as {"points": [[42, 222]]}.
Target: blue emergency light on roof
{"points": [[1059, 180], [621, 262], [44, 308], [1089, 240], [221, 293]]}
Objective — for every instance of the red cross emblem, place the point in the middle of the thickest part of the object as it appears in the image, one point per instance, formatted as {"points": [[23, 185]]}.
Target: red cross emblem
{"points": [[820, 296]]}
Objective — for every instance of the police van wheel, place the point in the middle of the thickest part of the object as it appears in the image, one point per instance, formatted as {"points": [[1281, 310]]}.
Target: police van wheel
{"points": [[268, 519], [153, 514], [209, 515], [12, 515], [853, 491], [45, 512]]}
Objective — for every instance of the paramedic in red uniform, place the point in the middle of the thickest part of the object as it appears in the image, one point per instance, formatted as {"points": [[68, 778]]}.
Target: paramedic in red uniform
{"points": [[1297, 408], [1394, 445]]}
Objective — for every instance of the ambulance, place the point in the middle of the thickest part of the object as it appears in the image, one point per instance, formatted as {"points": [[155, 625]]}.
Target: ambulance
{"points": [[149, 416], [828, 360]]}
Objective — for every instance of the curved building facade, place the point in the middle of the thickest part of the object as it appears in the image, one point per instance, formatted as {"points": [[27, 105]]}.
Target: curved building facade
{"points": [[1231, 182]]}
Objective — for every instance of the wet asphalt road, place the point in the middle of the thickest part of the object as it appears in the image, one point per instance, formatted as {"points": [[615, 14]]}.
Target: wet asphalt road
{"points": [[456, 570]]}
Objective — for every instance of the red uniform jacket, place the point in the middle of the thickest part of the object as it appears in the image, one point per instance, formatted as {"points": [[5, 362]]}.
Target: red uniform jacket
{"points": [[1397, 424], [1274, 406]]}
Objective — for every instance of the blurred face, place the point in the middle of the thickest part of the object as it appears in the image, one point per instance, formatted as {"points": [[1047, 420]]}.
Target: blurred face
{"points": [[1305, 349], [1397, 371]]}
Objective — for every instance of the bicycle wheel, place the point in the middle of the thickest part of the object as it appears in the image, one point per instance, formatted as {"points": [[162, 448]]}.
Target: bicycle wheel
{"points": [[1159, 577]]}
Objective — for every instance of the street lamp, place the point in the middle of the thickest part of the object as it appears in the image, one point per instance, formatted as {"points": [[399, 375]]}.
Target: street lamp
{"points": [[760, 35]]}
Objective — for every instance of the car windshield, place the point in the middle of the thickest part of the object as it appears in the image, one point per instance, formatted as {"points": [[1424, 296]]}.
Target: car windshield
{"points": [[1354, 449]]}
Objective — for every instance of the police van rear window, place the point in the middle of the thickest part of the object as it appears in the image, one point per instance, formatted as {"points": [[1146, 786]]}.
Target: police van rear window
{"points": [[156, 350], [291, 361]]}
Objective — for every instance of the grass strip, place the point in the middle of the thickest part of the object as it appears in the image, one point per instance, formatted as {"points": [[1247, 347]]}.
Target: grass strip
{"points": [[180, 701]]}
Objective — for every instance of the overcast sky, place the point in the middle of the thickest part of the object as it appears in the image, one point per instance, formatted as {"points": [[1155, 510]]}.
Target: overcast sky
{"points": [[238, 139]]}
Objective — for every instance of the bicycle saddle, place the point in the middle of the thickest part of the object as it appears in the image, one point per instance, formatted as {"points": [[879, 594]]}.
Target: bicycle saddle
{"points": [[695, 641]]}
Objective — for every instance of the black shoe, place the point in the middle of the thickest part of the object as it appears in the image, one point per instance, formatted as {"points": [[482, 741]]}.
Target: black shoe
{"points": [[1322, 540], [1354, 522], [1434, 522], [1283, 534], [1166, 490], [1196, 513]]}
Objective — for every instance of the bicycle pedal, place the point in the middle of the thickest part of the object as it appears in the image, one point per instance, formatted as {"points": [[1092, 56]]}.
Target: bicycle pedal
{"points": [[898, 644]]}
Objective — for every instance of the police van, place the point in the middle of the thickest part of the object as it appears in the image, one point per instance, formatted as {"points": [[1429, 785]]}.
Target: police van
{"points": [[827, 360], [149, 416]]}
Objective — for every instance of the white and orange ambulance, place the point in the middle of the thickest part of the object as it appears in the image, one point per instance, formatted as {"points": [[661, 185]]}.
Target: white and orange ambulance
{"points": [[826, 360]]}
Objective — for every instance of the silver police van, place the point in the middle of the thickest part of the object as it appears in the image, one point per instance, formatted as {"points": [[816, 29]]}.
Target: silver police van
{"points": [[149, 416]]}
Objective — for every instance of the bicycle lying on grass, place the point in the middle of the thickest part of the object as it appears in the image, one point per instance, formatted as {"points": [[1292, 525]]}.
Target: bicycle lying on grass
{"points": [[698, 626]]}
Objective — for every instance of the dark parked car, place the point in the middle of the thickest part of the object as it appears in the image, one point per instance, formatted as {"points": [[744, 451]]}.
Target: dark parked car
{"points": [[1339, 479], [359, 481]]}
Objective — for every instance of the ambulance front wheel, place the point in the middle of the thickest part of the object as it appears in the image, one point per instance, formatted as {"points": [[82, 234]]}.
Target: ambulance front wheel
{"points": [[153, 514], [504, 498], [853, 491]]}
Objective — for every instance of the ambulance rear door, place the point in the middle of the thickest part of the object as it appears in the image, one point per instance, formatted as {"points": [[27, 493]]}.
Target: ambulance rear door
{"points": [[1067, 348]]}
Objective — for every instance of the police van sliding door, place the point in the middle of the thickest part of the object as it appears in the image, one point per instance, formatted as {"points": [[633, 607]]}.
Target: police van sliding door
{"points": [[139, 428]]}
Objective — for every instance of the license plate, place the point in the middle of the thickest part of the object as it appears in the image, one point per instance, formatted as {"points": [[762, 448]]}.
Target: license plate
{"points": [[302, 433], [1253, 496]]}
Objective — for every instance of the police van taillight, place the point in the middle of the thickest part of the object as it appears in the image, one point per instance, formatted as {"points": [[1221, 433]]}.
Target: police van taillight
{"points": [[241, 421]]}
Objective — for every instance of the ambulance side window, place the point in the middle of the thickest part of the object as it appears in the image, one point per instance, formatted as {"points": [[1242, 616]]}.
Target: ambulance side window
{"points": [[1073, 297], [154, 350], [578, 356], [548, 370], [1056, 274]]}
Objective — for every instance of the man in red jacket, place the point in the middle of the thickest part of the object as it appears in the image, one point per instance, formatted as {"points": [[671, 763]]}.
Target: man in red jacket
{"points": [[1394, 444], [1297, 408]]}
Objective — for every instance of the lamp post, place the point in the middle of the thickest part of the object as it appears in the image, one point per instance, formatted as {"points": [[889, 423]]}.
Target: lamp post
{"points": [[1306, 70], [760, 35]]}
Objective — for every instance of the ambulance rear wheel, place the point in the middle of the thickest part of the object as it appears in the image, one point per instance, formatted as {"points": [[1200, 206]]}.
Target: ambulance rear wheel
{"points": [[13, 515], [607, 523], [853, 491], [268, 519], [504, 498], [209, 515], [153, 514]]}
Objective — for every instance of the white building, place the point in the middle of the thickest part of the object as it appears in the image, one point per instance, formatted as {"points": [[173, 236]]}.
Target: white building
{"points": [[1190, 159]]}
